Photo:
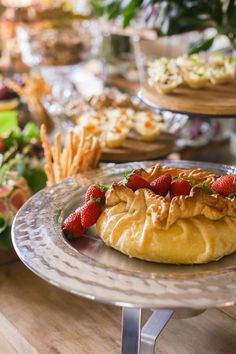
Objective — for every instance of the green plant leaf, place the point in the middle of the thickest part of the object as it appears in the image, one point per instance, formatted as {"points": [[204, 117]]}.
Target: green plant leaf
{"points": [[5, 239], [8, 121], [130, 11], [30, 131], [35, 176], [3, 223], [202, 45]]}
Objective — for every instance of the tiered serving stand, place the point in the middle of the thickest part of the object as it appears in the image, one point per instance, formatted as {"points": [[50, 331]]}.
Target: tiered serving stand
{"points": [[212, 101], [90, 269]]}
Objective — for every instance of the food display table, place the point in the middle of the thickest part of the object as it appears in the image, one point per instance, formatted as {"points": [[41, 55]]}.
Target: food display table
{"points": [[36, 317]]}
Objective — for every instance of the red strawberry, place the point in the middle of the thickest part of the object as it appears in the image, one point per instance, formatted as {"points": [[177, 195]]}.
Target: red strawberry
{"points": [[161, 185], [136, 182], [225, 185], [95, 191], [90, 212], [179, 187], [72, 224]]}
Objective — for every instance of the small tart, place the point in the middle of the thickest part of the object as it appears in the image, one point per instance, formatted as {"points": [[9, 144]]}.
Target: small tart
{"points": [[221, 74], [188, 62], [164, 75], [91, 122], [193, 229], [115, 138], [217, 58], [196, 77], [148, 125]]}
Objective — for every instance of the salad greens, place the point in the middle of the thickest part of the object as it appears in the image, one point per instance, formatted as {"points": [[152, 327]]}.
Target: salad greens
{"points": [[8, 121]]}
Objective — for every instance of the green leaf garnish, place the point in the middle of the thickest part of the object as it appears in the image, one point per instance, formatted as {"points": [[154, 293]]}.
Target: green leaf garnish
{"points": [[176, 178], [205, 186]]}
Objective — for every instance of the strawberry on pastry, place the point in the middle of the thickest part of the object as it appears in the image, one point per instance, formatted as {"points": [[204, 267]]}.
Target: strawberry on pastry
{"points": [[179, 187], [135, 182], [73, 225], [90, 212], [225, 185], [161, 185], [95, 191]]}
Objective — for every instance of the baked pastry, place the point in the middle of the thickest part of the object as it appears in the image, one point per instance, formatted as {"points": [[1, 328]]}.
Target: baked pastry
{"points": [[91, 122], [188, 62], [118, 126], [221, 68], [148, 125], [181, 229], [196, 77], [164, 75]]}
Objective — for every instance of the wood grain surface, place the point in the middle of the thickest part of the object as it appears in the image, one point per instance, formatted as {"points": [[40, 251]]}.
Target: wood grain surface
{"points": [[38, 318], [212, 99], [134, 149]]}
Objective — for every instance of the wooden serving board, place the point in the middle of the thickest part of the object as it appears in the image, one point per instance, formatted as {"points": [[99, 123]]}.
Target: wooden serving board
{"points": [[134, 149], [210, 100]]}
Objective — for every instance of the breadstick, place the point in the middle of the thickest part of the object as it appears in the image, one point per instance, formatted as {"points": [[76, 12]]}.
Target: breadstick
{"points": [[50, 178], [79, 154], [47, 152], [57, 157]]}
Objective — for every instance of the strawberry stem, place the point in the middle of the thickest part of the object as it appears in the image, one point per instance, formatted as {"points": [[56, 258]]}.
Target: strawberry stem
{"points": [[96, 200]]}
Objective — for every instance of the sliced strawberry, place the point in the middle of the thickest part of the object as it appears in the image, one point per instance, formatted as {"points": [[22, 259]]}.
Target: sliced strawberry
{"points": [[225, 185], [135, 182], [90, 212], [73, 225], [161, 185], [179, 187], [97, 192]]}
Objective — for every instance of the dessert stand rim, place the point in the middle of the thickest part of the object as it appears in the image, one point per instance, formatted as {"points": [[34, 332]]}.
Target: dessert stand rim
{"points": [[23, 256], [149, 103]]}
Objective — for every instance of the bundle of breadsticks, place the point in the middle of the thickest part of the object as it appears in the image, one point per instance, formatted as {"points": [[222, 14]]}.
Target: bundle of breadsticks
{"points": [[80, 153]]}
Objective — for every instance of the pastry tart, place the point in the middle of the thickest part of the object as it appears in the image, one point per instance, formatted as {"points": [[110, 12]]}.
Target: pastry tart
{"points": [[164, 75], [222, 73], [148, 125], [185, 229], [196, 77]]}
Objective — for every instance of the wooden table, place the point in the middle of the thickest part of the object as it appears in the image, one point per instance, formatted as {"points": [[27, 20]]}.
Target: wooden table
{"points": [[36, 317]]}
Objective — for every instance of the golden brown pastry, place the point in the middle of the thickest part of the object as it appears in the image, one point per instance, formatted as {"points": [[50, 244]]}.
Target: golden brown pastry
{"points": [[186, 229]]}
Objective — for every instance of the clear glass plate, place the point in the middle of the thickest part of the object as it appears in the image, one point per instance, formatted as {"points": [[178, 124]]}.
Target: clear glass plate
{"points": [[90, 269]]}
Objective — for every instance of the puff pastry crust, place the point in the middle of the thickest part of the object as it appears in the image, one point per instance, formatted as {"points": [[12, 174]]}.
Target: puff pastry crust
{"points": [[193, 229]]}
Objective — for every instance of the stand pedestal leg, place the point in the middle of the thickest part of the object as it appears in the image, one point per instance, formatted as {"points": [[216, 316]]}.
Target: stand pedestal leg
{"points": [[152, 329], [131, 330]]}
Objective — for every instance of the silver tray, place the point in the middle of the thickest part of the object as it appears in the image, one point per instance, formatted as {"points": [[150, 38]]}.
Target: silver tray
{"points": [[90, 269]]}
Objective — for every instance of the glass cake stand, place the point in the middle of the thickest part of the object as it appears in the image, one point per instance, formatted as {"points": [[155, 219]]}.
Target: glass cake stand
{"points": [[92, 270]]}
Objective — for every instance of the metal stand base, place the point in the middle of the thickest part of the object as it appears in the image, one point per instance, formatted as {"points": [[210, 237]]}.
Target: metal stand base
{"points": [[132, 333]]}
